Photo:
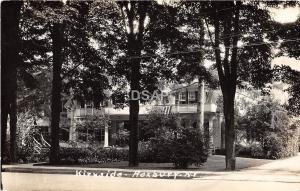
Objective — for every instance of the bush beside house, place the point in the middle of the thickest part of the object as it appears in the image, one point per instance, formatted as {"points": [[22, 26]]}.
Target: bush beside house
{"points": [[92, 155], [171, 142], [268, 132]]}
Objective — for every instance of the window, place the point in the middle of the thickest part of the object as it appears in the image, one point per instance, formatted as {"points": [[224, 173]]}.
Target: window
{"points": [[63, 134], [176, 98], [89, 104], [99, 135], [165, 100], [102, 134], [182, 96], [81, 104], [192, 96], [91, 135], [82, 135]]}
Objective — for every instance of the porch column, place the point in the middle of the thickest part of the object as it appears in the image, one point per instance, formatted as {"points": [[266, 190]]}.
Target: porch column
{"points": [[210, 131], [172, 99], [72, 127], [106, 135], [208, 139], [112, 136], [222, 129], [187, 97]]}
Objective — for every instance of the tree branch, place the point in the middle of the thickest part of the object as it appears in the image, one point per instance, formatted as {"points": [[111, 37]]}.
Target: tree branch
{"points": [[234, 61], [227, 30], [217, 50], [142, 9]]}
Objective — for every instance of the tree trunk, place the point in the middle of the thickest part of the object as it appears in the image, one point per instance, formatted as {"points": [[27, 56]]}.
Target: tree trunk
{"points": [[57, 38], [10, 14], [227, 71], [4, 116], [13, 118], [134, 115], [201, 92], [200, 106], [134, 48], [134, 138], [228, 98]]}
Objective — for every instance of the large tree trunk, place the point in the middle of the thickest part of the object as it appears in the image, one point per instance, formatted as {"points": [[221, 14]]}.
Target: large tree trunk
{"points": [[10, 15], [201, 92], [227, 71], [13, 118], [134, 130], [228, 98], [134, 10], [57, 38], [4, 116], [229, 90], [200, 106], [134, 114]]}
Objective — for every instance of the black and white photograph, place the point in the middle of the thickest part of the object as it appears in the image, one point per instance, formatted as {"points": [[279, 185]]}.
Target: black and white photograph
{"points": [[150, 95]]}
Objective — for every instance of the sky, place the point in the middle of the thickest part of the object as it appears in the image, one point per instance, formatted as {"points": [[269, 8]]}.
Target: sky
{"points": [[286, 15]]}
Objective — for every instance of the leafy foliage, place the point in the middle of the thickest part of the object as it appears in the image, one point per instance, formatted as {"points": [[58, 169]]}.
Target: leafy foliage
{"points": [[85, 71], [122, 137], [168, 141], [91, 123], [289, 33], [234, 23], [83, 67], [92, 155], [111, 32], [291, 77], [269, 125]]}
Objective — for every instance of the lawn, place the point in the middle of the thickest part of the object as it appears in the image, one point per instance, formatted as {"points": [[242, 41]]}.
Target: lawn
{"points": [[214, 163]]}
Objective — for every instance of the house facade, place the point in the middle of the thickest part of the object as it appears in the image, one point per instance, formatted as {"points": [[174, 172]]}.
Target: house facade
{"points": [[181, 100]]}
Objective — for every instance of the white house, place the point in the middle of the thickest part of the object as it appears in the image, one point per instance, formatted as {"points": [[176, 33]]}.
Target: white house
{"points": [[181, 99]]}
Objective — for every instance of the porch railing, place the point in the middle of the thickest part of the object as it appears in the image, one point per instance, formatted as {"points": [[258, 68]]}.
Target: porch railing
{"points": [[144, 109]]}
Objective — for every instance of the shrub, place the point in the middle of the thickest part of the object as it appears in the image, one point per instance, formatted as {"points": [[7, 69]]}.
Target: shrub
{"points": [[243, 150], [86, 128], [171, 142], [220, 151], [146, 153], [122, 137], [253, 150], [187, 148], [281, 145], [257, 151], [72, 155], [272, 130], [91, 155]]}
